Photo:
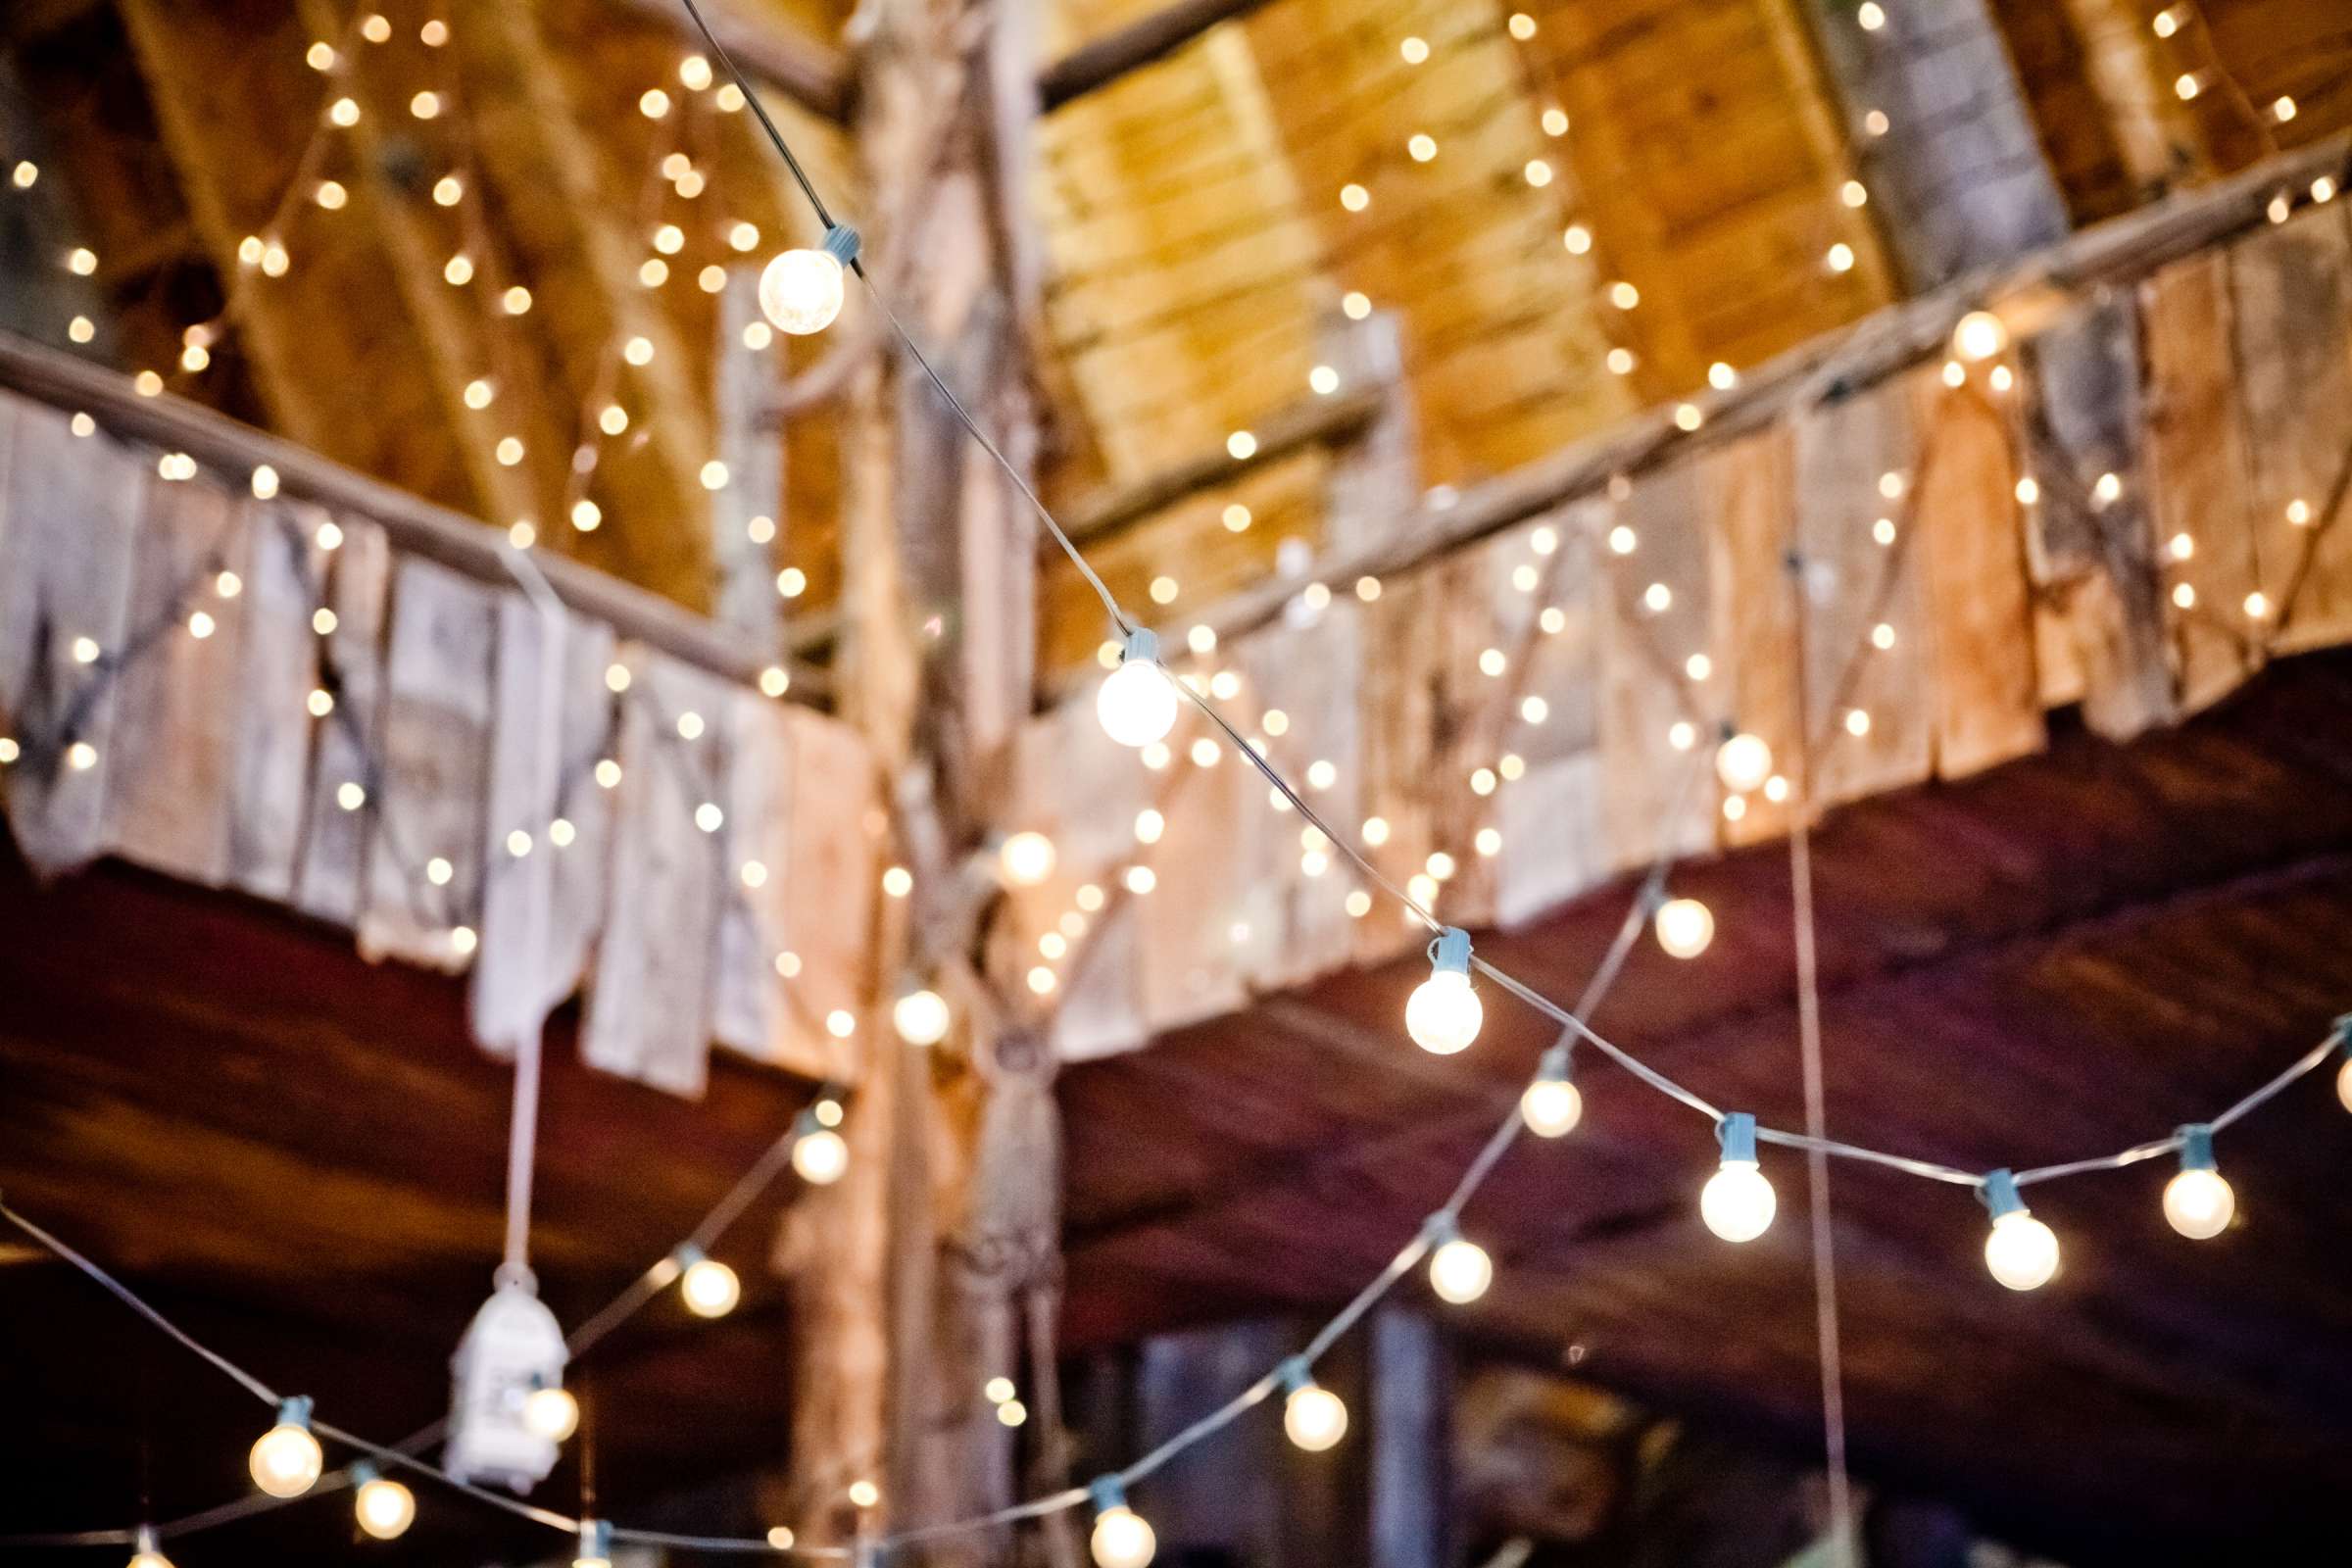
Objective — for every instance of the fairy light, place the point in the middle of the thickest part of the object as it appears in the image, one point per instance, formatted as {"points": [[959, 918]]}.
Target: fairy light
{"points": [[1313, 1417], [1551, 1104], [707, 1287], [2199, 1202], [1685, 927], [285, 1460], [802, 291], [1121, 1537], [2019, 1250], [1738, 1202], [1459, 1269], [1444, 1012], [382, 1507]]}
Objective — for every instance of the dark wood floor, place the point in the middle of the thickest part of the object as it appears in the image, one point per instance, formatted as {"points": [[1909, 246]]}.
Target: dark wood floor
{"points": [[2060, 958]]}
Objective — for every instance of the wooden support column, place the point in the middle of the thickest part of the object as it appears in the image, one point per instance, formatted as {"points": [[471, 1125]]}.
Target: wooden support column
{"points": [[934, 668], [745, 547]]}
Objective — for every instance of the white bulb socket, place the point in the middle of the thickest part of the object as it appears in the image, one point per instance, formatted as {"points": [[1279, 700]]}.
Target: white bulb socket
{"points": [[1312, 1416], [1122, 1537], [1137, 701], [2020, 1252], [2199, 1202], [1444, 1012], [285, 1460], [1551, 1106], [1737, 1202]]}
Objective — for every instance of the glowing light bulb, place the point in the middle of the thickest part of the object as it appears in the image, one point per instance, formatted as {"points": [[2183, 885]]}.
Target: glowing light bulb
{"points": [[2199, 1202], [285, 1460], [1136, 705], [922, 1017], [1737, 1202], [2022, 1252], [2344, 1081], [1551, 1105], [150, 1552], [1313, 1417], [1026, 859], [1459, 1269], [802, 290], [1444, 1012], [819, 1153], [1121, 1537], [1685, 927], [709, 1287], [552, 1412], [384, 1508], [1742, 762], [1980, 335]]}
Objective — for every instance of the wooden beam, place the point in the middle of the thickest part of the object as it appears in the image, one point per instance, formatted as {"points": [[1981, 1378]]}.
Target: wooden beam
{"points": [[1104, 60], [414, 526], [1869, 351], [816, 75]]}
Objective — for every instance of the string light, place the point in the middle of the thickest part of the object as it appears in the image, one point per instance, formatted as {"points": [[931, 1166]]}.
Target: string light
{"points": [[1121, 1537], [802, 290], [2199, 1202], [1742, 762], [1738, 1202], [1444, 1012], [818, 1152], [2020, 1252], [550, 1412], [285, 1460], [1459, 1269], [920, 1017], [1685, 927], [1137, 704], [707, 1287], [383, 1507], [1551, 1104], [1978, 336], [1312, 1416]]}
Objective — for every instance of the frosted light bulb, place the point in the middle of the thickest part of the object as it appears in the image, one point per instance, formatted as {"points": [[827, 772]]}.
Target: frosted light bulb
{"points": [[819, 1154], [552, 1412], [1122, 1539], [1137, 704], [2199, 1202], [922, 1017], [1026, 859], [2020, 1252], [709, 1287], [801, 290], [2343, 1082], [1459, 1270], [1980, 335], [1743, 761], [1444, 1012], [1314, 1417], [285, 1460], [1737, 1204], [384, 1508], [1551, 1106], [1685, 927], [150, 1552]]}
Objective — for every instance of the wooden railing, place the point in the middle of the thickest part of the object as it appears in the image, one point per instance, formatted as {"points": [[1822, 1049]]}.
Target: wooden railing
{"points": [[232, 661], [2130, 506]]}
